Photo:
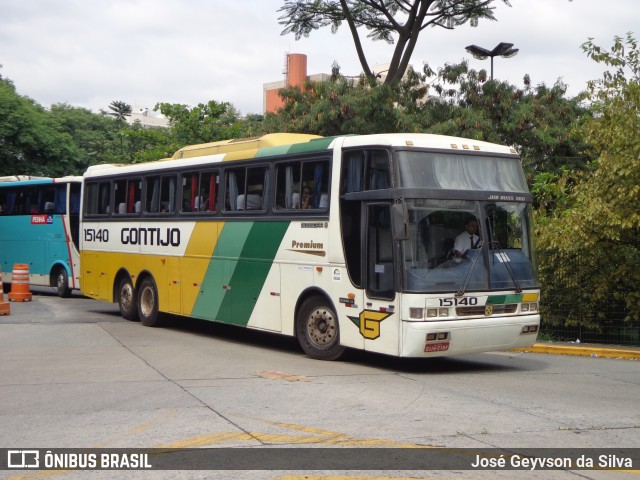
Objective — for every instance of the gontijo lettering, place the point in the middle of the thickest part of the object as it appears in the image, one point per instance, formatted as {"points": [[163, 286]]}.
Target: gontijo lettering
{"points": [[150, 236]]}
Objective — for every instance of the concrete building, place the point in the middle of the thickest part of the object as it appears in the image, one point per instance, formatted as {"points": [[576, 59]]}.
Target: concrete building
{"points": [[147, 118], [295, 74]]}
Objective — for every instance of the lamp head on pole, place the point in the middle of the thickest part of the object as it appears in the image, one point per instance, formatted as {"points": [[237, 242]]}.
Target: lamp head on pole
{"points": [[503, 49]]}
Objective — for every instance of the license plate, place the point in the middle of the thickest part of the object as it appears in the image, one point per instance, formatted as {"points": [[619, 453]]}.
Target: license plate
{"points": [[436, 347]]}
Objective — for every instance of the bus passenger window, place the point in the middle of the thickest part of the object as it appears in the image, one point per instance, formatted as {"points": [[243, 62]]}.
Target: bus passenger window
{"points": [[245, 189], [97, 198], [302, 185], [365, 170], [120, 196], [126, 194], [199, 190], [161, 194]]}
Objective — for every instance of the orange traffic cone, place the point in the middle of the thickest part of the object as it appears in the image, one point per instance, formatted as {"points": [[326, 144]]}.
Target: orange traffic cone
{"points": [[5, 307], [20, 283]]}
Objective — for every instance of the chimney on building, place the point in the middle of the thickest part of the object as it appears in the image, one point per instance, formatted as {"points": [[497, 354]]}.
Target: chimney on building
{"points": [[295, 74]]}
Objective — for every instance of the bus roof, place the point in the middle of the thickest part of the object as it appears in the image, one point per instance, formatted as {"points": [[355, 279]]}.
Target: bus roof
{"points": [[24, 180], [243, 144], [226, 150], [426, 140], [284, 143]]}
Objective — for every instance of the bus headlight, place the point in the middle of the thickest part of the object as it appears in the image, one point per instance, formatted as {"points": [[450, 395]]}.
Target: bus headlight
{"points": [[416, 313], [432, 313]]}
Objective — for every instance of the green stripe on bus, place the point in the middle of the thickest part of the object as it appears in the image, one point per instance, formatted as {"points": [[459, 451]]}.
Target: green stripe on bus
{"points": [[270, 151], [312, 145], [502, 299], [237, 272]]}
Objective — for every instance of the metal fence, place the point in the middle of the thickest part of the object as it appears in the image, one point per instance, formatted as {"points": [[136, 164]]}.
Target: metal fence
{"points": [[570, 314]]}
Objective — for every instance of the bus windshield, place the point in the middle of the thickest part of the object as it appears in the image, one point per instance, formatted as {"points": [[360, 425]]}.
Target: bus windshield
{"points": [[441, 255], [451, 171]]}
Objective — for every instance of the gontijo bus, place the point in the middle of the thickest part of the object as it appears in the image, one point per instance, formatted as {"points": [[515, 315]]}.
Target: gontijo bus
{"points": [[39, 226], [342, 242]]}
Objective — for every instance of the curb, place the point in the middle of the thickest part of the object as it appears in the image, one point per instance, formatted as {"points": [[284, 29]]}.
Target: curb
{"points": [[581, 351]]}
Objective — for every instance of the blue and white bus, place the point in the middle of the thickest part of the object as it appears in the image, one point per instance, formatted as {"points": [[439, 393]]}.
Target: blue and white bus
{"points": [[39, 226]]}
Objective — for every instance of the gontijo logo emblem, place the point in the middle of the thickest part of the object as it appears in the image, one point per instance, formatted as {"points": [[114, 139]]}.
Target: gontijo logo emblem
{"points": [[369, 323]]}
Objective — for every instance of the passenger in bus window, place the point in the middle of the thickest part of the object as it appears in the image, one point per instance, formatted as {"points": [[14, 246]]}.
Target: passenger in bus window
{"points": [[467, 240], [306, 197]]}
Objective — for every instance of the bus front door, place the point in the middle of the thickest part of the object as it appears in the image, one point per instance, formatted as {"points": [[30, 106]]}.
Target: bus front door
{"points": [[379, 319]]}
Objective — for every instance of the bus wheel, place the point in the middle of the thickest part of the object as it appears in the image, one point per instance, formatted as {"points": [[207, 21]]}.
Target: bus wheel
{"points": [[127, 300], [317, 329], [62, 282], [148, 303]]}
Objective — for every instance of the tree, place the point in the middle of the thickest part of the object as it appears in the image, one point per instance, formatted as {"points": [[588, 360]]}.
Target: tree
{"points": [[30, 142], [398, 22], [202, 124], [343, 106], [595, 241], [540, 122], [93, 134], [120, 110]]}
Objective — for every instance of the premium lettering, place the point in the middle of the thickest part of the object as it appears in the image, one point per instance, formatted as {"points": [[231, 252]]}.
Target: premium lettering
{"points": [[310, 244]]}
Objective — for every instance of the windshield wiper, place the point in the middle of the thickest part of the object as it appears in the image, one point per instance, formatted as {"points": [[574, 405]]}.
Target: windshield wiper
{"points": [[507, 264], [474, 260]]}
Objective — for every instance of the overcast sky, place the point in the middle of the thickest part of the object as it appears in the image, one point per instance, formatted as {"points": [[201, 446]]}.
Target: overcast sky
{"points": [[88, 53]]}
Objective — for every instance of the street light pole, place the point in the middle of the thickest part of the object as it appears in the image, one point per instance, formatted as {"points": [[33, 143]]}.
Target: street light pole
{"points": [[503, 49]]}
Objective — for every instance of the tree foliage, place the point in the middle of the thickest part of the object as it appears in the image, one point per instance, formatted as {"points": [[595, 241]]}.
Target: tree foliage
{"points": [[206, 122], [344, 106], [540, 121], [398, 22], [597, 237], [120, 110], [30, 141]]}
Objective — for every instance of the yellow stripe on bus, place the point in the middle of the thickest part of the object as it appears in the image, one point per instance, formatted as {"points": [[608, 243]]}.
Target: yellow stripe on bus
{"points": [[195, 261]]}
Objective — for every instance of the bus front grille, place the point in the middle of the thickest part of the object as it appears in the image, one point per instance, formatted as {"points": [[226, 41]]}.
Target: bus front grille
{"points": [[486, 310]]}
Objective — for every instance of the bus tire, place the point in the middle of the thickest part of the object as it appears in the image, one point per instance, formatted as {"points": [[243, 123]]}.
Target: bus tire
{"points": [[127, 300], [317, 329], [148, 303], [61, 282]]}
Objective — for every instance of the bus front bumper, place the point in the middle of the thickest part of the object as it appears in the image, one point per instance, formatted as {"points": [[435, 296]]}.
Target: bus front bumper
{"points": [[459, 337]]}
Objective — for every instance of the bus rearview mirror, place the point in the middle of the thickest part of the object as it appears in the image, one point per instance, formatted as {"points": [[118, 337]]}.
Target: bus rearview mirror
{"points": [[399, 221]]}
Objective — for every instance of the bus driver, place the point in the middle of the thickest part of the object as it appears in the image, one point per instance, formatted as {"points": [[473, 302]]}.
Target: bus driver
{"points": [[468, 239]]}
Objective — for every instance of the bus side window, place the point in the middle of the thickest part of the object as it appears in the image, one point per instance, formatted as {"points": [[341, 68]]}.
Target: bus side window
{"points": [[199, 191], [120, 196], [96, 199], [302, 185], [104, 198], [60, 199], [365, 170], [133, 196], [161, 194], [246, 188], [288, 186]]}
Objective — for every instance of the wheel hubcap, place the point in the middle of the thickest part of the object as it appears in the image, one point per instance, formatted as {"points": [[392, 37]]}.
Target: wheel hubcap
{"points": [[147, 301], [126, 296], [322, 326]]}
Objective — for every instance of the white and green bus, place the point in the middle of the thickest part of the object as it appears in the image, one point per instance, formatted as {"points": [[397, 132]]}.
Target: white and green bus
{"points": [[343, 242]]}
